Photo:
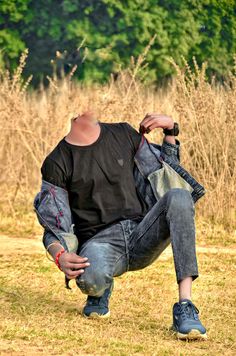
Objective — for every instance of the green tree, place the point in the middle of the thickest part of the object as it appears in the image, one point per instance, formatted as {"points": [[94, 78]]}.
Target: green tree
{"points": [[115, 30], [12, 14]]}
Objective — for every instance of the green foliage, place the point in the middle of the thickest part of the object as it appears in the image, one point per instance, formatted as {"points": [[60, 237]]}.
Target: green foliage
{"points": [[12, 12], [115, 30]]}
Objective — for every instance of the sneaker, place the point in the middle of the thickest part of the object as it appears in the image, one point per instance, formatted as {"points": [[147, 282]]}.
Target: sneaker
{"points": [[186, 323], [97, 307]]}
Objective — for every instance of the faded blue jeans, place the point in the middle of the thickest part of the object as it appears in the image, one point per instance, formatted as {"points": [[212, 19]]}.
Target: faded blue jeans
{"points": [[132, 245]]}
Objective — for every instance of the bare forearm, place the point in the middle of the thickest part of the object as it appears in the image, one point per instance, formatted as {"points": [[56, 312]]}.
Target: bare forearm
{"points": [[54, 249], [170, 139]]}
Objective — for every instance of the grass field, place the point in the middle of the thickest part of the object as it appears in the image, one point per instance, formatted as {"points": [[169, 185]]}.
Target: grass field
{"points": [[40, 317]]}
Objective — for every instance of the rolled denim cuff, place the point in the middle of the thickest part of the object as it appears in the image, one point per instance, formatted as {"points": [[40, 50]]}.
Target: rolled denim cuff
{"points": [[171, 149]]}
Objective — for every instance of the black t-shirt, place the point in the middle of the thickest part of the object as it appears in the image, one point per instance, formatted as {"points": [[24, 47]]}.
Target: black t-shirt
{"points": [[98, 177]]}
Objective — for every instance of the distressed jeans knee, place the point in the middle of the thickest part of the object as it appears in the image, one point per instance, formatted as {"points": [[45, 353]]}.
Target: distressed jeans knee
{"points": [[94, 283], [104, 251]]}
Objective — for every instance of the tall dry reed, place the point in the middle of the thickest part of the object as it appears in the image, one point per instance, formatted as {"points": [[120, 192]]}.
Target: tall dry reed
{"points": [[31, 124]]}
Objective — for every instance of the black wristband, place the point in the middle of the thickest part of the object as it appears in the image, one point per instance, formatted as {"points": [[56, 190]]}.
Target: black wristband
{"points": [[172, 132]]}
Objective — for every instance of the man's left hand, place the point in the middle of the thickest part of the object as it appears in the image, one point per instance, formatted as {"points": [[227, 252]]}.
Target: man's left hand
{"points": [[155, 120]]}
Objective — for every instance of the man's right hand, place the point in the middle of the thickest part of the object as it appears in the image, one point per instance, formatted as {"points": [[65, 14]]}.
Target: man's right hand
{"points": [[72, 264]]}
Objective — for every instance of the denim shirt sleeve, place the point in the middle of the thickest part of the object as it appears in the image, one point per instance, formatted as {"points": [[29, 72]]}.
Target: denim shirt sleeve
{"points": [[48, 238], [171, 150]]}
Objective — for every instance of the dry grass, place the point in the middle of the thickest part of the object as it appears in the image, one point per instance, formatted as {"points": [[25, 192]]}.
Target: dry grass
{"points": [[40, 317], [31, 124]]}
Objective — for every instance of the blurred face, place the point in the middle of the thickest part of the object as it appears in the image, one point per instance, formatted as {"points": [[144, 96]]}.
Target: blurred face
{"points": [[87, 119]]}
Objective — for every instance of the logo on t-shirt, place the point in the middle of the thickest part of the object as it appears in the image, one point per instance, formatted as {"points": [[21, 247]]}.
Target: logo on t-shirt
{"points": [[120, 161]]}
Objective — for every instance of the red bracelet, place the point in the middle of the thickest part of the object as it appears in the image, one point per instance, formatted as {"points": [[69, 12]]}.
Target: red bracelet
{"points": [[57, 258]]}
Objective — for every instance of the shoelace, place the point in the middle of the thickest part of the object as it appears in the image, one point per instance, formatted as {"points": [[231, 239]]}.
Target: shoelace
{"points": [[188, 310]]}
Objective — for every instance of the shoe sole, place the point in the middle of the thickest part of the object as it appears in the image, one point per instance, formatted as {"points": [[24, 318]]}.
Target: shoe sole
{"points": [[95, 315], [194, 334]]}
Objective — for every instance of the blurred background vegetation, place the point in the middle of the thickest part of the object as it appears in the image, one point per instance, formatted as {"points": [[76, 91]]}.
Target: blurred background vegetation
{"points": [[125, 58], [114, 30]]}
